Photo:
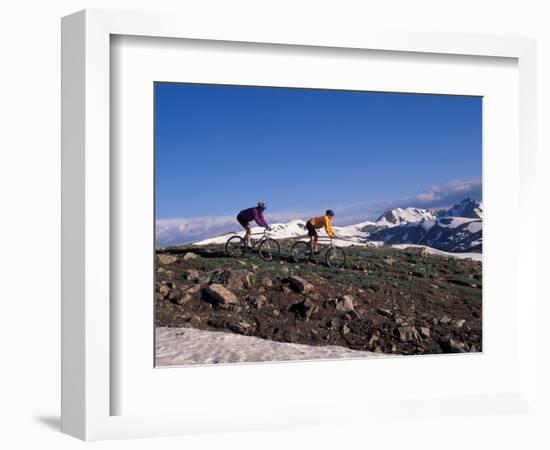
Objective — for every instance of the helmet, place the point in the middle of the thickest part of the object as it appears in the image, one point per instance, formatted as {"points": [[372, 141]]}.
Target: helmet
{"points": [[329, 212], [261, 205]]}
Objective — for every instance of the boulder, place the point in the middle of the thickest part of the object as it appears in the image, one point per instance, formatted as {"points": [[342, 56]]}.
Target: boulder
{"points": [[459, 323], [384, 312], [164, 290], [192, 289], [345, 304], [408, 334], [183, 299], [453, 346], [167, 259], [425, 331], [241, 327], [220, 295], [300, 285], [190, 255], [267, 282], [191, 274]]}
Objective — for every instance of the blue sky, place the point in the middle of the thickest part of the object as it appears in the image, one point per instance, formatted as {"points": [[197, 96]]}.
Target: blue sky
{"points": [[220, 149]]}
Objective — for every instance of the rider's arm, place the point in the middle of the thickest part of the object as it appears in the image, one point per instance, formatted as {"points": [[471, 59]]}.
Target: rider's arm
{"points": [[259, 218], [328, 227]]}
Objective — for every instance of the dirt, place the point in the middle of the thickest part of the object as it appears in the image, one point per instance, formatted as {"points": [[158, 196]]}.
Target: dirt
{"points": [[398, 301]]}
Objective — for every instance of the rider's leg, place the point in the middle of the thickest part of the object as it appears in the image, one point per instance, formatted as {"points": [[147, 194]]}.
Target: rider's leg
{"points": [[315, 244], [247, 235]]}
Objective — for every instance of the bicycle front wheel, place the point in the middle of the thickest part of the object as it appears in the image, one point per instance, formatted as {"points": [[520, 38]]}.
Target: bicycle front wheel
{"points": [[301, 251], [269, 249], [234, 247], [336, 257]]}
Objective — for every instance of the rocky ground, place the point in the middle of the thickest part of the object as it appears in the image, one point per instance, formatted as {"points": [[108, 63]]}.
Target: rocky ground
{"points": [[385, 300]]}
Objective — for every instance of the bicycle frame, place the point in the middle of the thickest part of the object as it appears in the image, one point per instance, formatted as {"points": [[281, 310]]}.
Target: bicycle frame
{"points": [[264, 235]]}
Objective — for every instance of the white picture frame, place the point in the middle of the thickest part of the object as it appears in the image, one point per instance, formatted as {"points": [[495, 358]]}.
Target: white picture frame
{"points": [[87, 325]]}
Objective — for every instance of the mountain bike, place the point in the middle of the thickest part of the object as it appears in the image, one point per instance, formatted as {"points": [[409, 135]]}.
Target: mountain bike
{"points": [[268, 248], [335, 257]]}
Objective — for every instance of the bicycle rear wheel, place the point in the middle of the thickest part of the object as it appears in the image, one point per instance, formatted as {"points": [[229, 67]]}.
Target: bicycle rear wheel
{"points": [[301, 251], [336, 257], [269, 249], [234, 247]]}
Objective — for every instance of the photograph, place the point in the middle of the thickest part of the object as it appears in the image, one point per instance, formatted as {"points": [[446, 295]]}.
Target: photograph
{"points": [[296, 224]]}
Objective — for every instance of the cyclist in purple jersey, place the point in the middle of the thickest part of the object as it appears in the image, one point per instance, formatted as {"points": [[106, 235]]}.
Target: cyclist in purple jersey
{"points": [[252, 214]]}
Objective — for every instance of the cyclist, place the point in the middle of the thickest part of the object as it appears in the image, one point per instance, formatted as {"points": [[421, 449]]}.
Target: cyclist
{"points": [[252, 214], [315, 223]]}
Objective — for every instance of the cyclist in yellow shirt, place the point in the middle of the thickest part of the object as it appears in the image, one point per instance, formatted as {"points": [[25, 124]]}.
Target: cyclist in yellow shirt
{"points": [[316, 223]]}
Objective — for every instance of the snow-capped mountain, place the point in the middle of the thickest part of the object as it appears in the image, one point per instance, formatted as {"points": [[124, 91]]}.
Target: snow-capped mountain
{"points": [[466, 208], [440, 229], [401, 216], [458, 229]]}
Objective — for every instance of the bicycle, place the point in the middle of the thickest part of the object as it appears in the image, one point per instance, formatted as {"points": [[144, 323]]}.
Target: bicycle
{"points": [[335, 257], [268, 248]]}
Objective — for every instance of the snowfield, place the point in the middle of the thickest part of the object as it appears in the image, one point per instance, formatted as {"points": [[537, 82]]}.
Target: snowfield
{"points": [[184, 346]]}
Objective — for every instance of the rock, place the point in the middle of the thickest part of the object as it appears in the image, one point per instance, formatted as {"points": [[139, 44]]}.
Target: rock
{"points": [[459, 323], [167, 259], [164, 290], [258, 301], [408, 334], [275, 313], [286, 290], [425, 331], [303, 308], [345, 304], [384, 312], [241, 327], [345, 329], [248, 280], [267, 282], [345, 318], [173, 296], [284, 270], [242, 263], [445, 320], [374, 338], [191, 274], [299, 284], [190, 255], [453, 346], [236, 279], [423, 252], [182, 300], [220, 295], [389, 261], [192, 289], [254, 267]]}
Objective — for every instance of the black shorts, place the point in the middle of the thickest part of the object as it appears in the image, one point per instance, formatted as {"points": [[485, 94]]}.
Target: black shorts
{"points": [[244, 223], [311, 231]]}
